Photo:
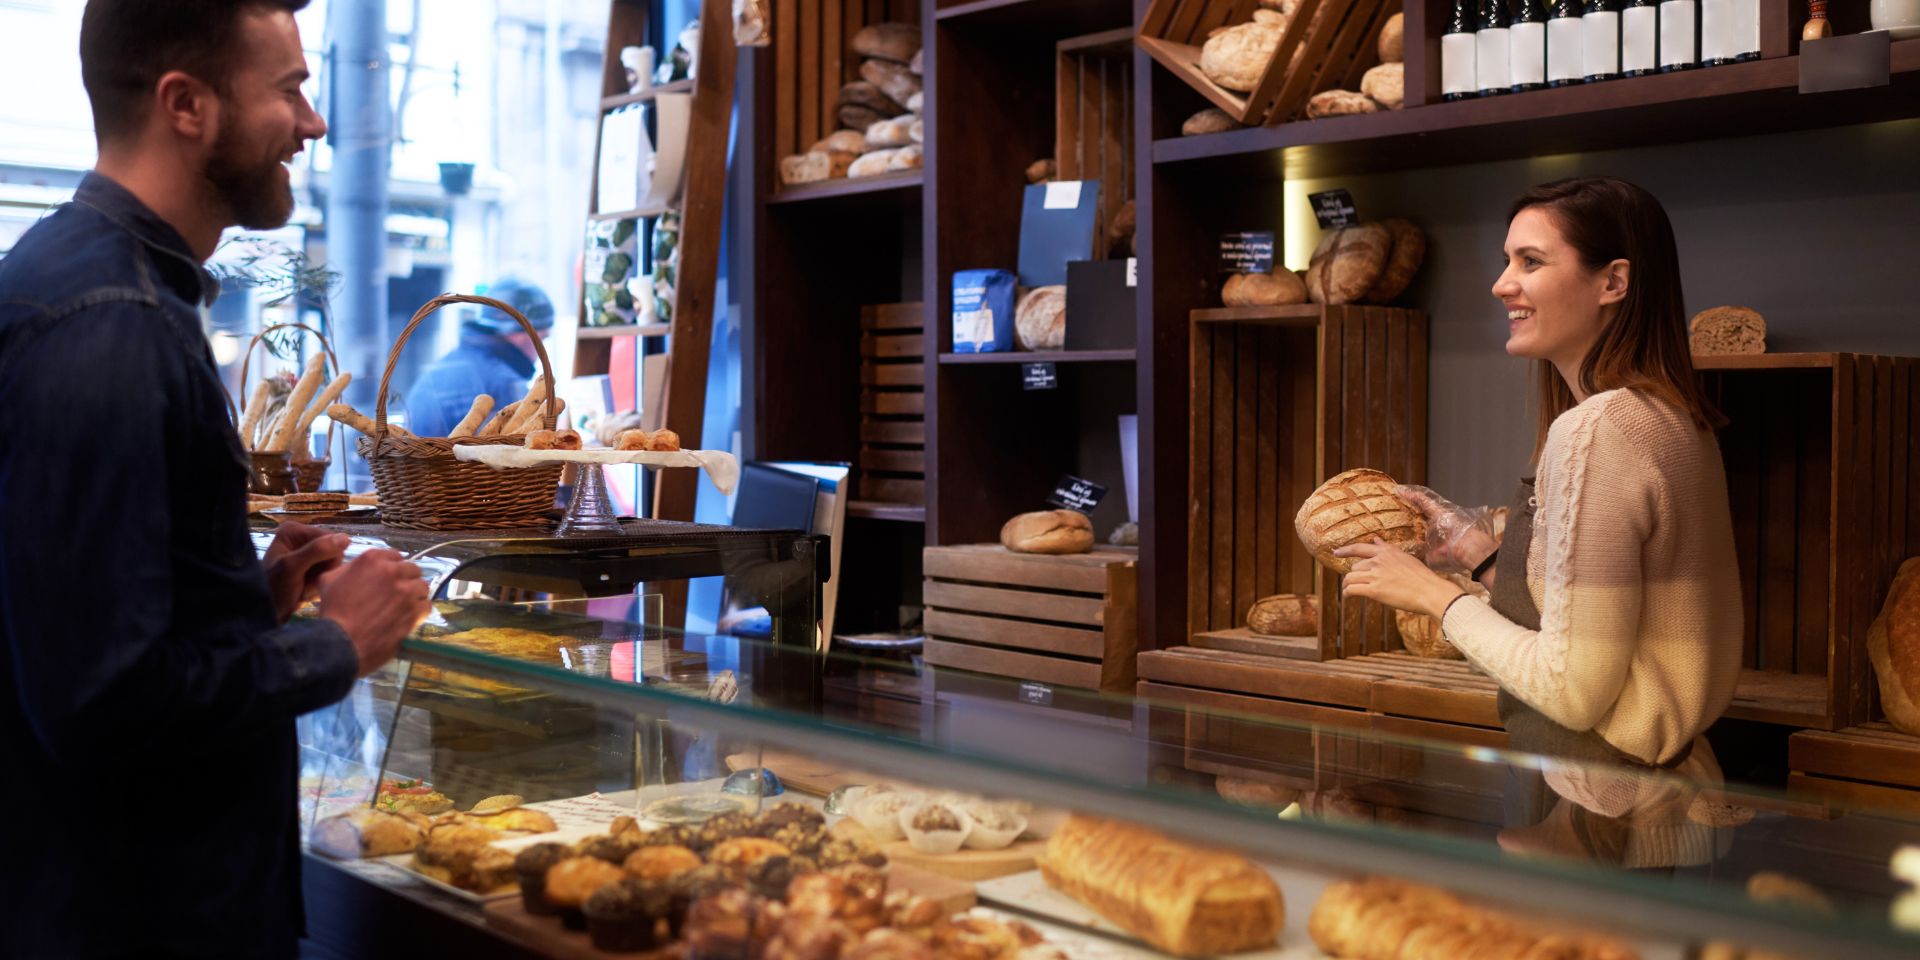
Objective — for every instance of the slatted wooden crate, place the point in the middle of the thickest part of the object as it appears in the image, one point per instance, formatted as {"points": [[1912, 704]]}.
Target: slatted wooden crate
{"points": [[893, 404], [1820, 467], [812, 54], [1871, 766], [1093, 117], [1282, 398], [1066, 621], [1328, 45]]}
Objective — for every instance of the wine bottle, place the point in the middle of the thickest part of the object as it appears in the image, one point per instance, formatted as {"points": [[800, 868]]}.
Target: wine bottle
{"points": [[1600, 31], [1458, 77], [1639, 38], [1563, 44], [1529, 47], [1716, 32], [1679, 35], [1746, 30], [1493, 48]]}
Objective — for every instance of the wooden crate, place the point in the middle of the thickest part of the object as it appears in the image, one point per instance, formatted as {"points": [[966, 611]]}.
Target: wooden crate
{"points": [[1337, 41], [1871, 766], [893, 404], [1059, 620], [1282, 398], [1093, 119], [1820, 462], [812, 54]]}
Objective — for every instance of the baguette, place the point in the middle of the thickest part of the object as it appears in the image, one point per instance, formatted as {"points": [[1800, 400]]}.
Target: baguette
{"points": [[250, 417], [1184, 900], [476, 415], [303, 392], [269, 429], [326, 399]]}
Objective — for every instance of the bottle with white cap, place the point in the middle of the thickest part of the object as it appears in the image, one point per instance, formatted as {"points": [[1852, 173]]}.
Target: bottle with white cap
{"points": [[1600, 49], [1563, 44], [1639, 38], [1679, 35], [1493, 48], [1459, 78], [1529, 46]]}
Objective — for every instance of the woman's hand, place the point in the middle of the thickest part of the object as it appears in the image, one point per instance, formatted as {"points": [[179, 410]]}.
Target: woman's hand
{"points": [[1387, 575], [1458, 538]]}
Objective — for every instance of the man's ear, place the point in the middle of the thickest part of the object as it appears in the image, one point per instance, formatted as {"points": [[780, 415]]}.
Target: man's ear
{"points": [[187, 105], [1616, 277]]}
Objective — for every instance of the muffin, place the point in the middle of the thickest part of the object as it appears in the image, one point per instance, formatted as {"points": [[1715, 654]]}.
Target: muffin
{"points": [[781, 816], [880, 813], [936, 826], [531, 865], [571, 881], [612, 849], [626, 916], [740, 853], [661, 863], [994, 826]]}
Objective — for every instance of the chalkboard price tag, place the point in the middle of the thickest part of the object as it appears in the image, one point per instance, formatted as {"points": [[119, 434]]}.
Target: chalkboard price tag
{"points": [[1334, 208], [1074, 493], [1038, 694], [1246, 251], [1039, 376]]}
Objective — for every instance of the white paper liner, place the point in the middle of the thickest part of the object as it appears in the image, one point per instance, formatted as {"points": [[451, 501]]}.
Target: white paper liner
{"points": [[880, 814], [984, 837], [721, 466], [936, 842]]}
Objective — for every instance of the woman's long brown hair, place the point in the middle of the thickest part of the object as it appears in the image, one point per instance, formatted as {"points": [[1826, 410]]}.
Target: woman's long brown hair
{"points": [[1645, 347]]}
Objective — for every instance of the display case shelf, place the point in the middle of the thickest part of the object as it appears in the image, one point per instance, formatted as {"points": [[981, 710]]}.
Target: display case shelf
{"points": [[827, 190], [1760, 96]]}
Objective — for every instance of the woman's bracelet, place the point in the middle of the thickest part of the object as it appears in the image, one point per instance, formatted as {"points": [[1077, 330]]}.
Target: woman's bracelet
{"points": [[1485, 565]]}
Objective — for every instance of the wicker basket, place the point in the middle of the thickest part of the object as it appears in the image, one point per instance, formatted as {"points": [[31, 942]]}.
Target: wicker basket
{"points": [[308, 472], [422, 486]]}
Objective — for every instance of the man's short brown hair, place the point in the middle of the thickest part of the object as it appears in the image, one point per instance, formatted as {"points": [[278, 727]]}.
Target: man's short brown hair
{"points": [[127, 45]]}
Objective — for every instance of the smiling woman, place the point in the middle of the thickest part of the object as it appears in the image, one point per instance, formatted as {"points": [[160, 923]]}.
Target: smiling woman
{"points": [[1614, 622]]}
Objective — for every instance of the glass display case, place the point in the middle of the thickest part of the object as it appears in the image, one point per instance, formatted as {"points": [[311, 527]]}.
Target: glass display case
{"points": [[1193, 830]]}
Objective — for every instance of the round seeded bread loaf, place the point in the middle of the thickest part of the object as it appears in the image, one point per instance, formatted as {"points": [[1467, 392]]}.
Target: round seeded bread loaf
{"points": [[1727, 330], [1040, 320], [1348, 262], [1355, 507], [1403, 262], [1421, 634], [1280, 288], [1236, 56], [1285, 615], [1048, 531]]}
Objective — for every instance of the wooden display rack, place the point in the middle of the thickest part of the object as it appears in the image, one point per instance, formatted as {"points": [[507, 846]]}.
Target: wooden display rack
{"points": [[1093, 119], [893, 406], [1060, 620], [1871, 766], [1328, 45]]}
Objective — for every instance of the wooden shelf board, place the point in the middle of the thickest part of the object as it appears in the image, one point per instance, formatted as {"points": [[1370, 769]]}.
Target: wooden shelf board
{"points": [[1790, 699], [637, 213], [882, 510], [1243, 640], [1756, 97], [625, 330], [1118, 40], [1301, 315], [848, 186], [1052, 17], [1767, 361], [1043, 356], [628, 99]]}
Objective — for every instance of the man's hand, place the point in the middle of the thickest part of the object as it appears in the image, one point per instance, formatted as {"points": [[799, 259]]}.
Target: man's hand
{"points": [[377, 599], [299, 556]]}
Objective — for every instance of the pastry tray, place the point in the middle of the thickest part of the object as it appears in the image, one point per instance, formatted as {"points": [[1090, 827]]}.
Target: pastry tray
{"points": [[1066, 920]]}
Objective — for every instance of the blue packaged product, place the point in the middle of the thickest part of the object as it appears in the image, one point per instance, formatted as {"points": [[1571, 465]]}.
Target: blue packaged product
{"points": [[983, 311]]}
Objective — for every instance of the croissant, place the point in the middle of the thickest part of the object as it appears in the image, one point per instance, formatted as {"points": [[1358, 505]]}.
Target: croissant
{"points": [[1185, 900]]}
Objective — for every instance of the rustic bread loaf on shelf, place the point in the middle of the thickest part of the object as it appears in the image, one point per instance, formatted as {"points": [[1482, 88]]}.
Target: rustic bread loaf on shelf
{"points": [[1339, 103], [1210, 120], [1347, 263], [1719, 331], [1282, 287], [1048, 531], [897, 42], [1386, 84], [1409, 251], [860, 93], [1285, 615], [1392, 40], [806, 168], [1355, 507], [1236, 56], [893, 79], [1893, 644], [1040, 319], [1185, 900]]}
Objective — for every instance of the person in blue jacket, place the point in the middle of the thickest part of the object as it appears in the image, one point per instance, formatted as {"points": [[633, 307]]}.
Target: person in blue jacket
{"points": [[495, 357], [150, 665]]}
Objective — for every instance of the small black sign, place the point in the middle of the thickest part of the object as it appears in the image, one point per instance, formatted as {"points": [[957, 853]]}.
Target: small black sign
{"points": [[1074, 493], [1247, 251], [1039, 376], [1038, 694], [1334, 208]]}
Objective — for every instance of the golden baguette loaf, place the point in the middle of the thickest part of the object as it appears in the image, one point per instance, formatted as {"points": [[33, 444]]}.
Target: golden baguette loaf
{"points": [[1186, 900], [1354, 507], [1377, 918]]}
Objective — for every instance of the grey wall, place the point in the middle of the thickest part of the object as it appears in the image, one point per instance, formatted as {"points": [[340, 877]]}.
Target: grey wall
{"points": [[1819, 231]]}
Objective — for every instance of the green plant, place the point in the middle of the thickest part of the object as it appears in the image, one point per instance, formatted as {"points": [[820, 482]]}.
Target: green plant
{"points": [[284, 274]]}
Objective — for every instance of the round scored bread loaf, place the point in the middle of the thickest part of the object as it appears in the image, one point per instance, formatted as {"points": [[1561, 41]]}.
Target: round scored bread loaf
{"points": [[1040, 320], [1421, 635], [1347, 263], [1893, 644], [1282, 287], [1403, 262], [1235, 57], [1048, 531], [1285, 615], [1725, 330], [1355, 507]]}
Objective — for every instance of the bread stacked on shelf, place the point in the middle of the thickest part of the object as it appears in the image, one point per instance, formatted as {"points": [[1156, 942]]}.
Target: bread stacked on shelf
{"points": [[1376, 918], [1721, 331], [1371, 262], [282, 410], [1048, 531], [1893, 644], [1382, 87], [880, 113], [1285, 615]]}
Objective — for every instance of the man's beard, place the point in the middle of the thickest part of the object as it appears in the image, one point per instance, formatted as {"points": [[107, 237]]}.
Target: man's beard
{"points": [[252, 190]]}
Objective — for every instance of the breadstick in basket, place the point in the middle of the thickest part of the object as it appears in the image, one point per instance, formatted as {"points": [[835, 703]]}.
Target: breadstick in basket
{"points": [[476, 415], [498, 424], [303, 393], [326, 399], [529, 416], [250, 417], [341, 413]]}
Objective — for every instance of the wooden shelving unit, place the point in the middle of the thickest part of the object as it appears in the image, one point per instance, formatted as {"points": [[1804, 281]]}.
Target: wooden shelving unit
{"points": [[1042, 356], [847, 187]]}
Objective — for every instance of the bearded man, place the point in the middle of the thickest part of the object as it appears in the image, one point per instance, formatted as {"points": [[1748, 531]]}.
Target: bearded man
{"points": [[150, 672]]}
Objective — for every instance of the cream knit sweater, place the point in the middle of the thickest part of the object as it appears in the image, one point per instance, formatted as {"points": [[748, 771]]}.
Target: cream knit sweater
{"points": [[1632, 568]]}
